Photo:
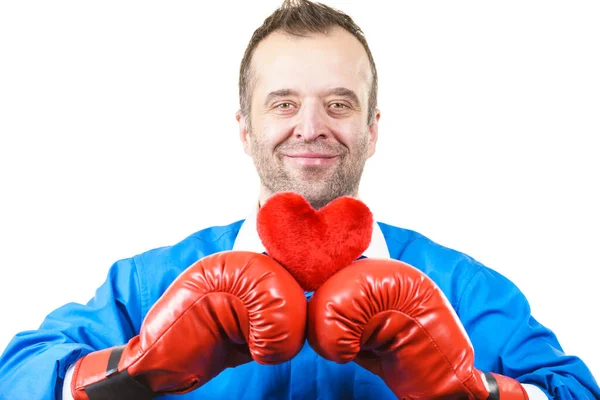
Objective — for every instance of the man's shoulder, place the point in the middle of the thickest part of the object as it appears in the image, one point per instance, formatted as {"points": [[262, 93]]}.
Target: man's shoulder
{"points": [[206, 241], [217, 235], [401, 241]]}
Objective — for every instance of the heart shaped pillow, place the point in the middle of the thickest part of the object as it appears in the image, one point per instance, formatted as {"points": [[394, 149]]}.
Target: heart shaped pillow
{"points": [[314, 244]]}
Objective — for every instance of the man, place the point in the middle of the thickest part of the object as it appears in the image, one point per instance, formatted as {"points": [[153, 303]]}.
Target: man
{"points": [[309, 120]]}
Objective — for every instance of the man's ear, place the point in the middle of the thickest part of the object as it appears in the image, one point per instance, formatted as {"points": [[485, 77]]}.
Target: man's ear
{"points": [[243, 126], [373, 132]]}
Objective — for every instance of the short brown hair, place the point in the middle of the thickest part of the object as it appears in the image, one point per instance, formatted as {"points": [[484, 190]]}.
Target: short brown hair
{"points": [[302, 18]]}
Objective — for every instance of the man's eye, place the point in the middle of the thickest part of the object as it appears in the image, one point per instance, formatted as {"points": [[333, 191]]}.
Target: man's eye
{"points": [[284, 106], [338, 106]]}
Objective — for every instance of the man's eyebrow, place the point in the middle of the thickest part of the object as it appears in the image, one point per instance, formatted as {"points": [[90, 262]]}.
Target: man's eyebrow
{"points": [[279, 93], [344, 92]]}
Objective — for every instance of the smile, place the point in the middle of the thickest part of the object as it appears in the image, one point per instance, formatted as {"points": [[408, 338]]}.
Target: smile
{"points": [[312, 159]]}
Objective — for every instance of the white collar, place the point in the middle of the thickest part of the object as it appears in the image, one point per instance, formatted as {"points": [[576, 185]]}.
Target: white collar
{"points": [[248, 239]]}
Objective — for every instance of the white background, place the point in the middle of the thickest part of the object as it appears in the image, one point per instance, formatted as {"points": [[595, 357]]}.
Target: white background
{"points": [[118, 135]]}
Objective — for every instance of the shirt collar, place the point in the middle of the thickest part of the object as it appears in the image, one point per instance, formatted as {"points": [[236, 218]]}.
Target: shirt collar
{"points": [[248, 239]]}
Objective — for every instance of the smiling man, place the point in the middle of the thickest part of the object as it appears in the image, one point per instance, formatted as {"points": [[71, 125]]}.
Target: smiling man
{"points": [[310, 123], [409, 319]]}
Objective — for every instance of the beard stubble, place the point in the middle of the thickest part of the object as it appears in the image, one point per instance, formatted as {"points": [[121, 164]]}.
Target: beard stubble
{"points": [[318, 185]]}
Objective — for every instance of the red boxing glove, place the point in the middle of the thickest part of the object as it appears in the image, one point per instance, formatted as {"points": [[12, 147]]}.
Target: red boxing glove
{"points": [[225, 310], [394, 321]]}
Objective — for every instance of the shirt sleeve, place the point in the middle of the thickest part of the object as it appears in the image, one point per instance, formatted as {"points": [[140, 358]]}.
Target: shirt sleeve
{"points": [[34, 363], [509, 341], [66, 391], [534, 392]]}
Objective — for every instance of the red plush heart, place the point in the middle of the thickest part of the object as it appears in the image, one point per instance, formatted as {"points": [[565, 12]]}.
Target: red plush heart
{"points": [[314, 244]]}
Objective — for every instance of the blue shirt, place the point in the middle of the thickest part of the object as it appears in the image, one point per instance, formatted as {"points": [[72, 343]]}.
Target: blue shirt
{"points": [[506, 337]]}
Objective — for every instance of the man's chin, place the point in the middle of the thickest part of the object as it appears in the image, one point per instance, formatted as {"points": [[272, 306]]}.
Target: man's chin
{"points": [[310, 176]]}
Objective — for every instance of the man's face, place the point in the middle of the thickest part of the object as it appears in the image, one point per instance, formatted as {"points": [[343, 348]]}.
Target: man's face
{"points": [[308, 130]]}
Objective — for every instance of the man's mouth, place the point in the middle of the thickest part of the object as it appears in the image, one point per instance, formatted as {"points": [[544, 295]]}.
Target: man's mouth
{"points": [[312, 159]]}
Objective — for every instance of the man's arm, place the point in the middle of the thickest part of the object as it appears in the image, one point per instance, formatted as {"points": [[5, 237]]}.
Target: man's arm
{"points": [[508, 340], [393, 320], [497, 317], [34, 364]]}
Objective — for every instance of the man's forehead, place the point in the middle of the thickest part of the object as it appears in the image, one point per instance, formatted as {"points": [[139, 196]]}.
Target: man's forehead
{"points": [[335, 54]]}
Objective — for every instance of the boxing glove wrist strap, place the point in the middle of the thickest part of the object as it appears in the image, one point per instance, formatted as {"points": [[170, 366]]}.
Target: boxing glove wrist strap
{"points": [[118, 385], [492, 386]]}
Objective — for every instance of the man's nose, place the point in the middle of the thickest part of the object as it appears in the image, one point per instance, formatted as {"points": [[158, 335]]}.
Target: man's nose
{"points": [[312, 123]]}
